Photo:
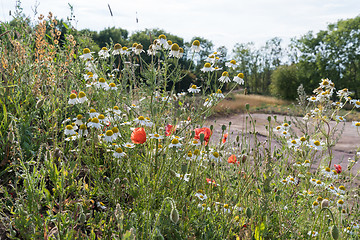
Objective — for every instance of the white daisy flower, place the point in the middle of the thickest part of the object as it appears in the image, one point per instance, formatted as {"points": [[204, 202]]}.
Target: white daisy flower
{"points": [[86, 54], [175, 143], [292, 180], [315, 205], [200, 194], [224, 77], [340, 119], [72, 138], [218, 94], [140, 120], [341, 190], [94, 123], [239, 79], [232, 64], [125, 51], [138, 49], [343, 93], [207, 68], [356, 124], [82, 97], [195, 142], [315, 144], [69, 130], [103, 119], [112, 86], [73, 99], [215, 156], [293, 143], [184, 177], [93, 113], [78, 119], [109, 136], [118, 153], [194, 89], [156, 136], [312, 99], [313, 233], [204, 206], [306, 163], [117, 48], [338, 104], [129, 145], [195, 47], [104, 53], [340, 203], [226, 208], [83, 130]]}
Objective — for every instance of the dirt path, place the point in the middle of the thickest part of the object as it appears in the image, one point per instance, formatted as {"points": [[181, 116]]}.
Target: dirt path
{"points": [[343, 150]]}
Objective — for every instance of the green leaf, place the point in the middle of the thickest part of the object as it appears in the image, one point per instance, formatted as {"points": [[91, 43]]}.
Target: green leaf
{"points": [[65, 25], [258, 231]]}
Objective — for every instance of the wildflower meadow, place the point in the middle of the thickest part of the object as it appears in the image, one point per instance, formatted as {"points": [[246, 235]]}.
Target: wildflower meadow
{"points": [[103, 145]]}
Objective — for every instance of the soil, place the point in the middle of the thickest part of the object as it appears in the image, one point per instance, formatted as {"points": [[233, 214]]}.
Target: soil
{"points": [[344, 150]]}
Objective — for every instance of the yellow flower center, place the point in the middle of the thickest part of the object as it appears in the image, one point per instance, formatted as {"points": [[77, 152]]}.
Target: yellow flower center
{"points": [[315, 203], [357, 103], [225, 74], [104, 48], [90, 73], [112, 85], [325, 82], [101, 116], [293, 141], [116, 108], [124, 48], [175, 141], [147, 118], [342, 188], [318, 182], [278, 128], [203, 205], [292, 179], [119, 150], [240, 75], [357, 124], [284, 132], [92, 110], [134, 45], [117, 46], [317, 143], [175, 47], [196, 43], [115, 130], [200, 191], [95, 120], [109, 133], [196, 151], [327, 169], [69, 127], [102, 80], [169, 42], [181, 50], [207, 65], [189, 154], [72, 96], [141, 118], [226, 206], [303, 139], [86, 51], [285, 124], [139, 47], [82, 94], [193, 87], [83, 127], [216, 154], [79, 116], [162, 36], [233, 62], [307, 161], [218, 91], [319, 199], [341, 202], [284, 181], [156, 135]]}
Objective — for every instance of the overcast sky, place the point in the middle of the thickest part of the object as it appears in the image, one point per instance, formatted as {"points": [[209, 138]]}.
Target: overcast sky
{"points": [[224, 22]]}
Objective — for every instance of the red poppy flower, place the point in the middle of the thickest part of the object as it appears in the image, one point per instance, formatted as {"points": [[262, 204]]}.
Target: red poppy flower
{"points": [[232, 159], [169, 129], [209, 181], [73, 91], [206, 131], [138, 136], [338, 168], [225, 137]]}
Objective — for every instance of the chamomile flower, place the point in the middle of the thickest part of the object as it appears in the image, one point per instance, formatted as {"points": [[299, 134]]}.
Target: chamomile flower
{"points": [[200, 194], [117, 49], [119, 153], [103, 119], [109, 136], [315, 205], [338, 104], [315, 144], [129, 145], [356, 124], [83, 130], [82, 97], [162, 39], [232, 64], [326, 172], [138, 49], [184, 177], [195, 47], [204, 206], [69, 130], [156, 136], [152, 50], [292, 180], [224, 77], [125, 51], [207, 68], [285, 134], [211, 58], [239, 79], [356, 102], [102, 84], [219, 94], [93, 113], [73, 99], [78, 119], [86, 54], [312, 99], [72, 138], [306, 163], [318, 183], [343, 93], [348, 231], [140, 120], [313, 233], [226, 208], [215, 156], [208, 102], [195, 142], [95, 123], [293, 143], [112, 86], [175, 51], [341, 190], [194, 89], [104, 53], [175, 143], [340, 119], [340, 203]]}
